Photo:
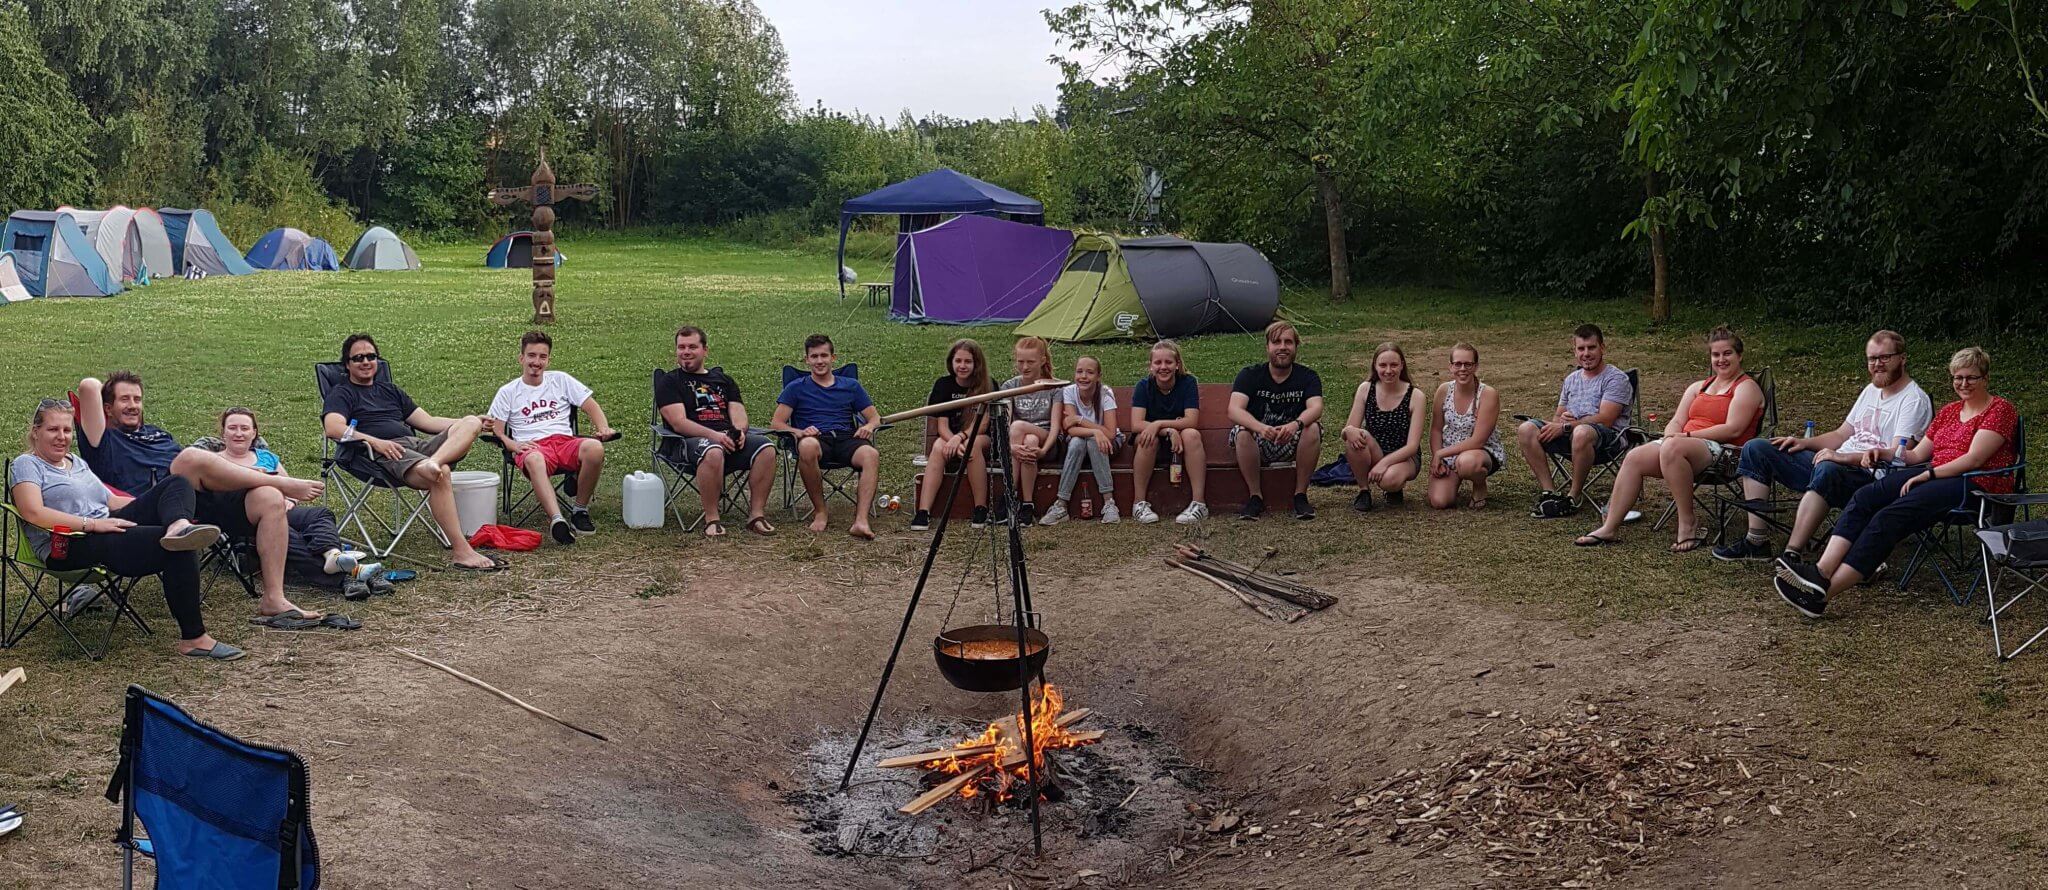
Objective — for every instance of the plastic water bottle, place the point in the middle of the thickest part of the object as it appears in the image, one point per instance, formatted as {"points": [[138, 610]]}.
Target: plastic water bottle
{"points": [[349, 433], [1899, 456], [1809, 429]]}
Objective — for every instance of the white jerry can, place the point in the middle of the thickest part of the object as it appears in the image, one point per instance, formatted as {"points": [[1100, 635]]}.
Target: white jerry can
{"points": [[642, 499]]}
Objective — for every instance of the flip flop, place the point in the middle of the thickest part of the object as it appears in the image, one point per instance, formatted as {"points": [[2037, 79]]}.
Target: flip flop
{"points": [[219, 652], [759, 525], [340, 622], [10, 819], [1689, 544], [289, 619], [714, 529], [497, 565], [194, 537], [1592, 540]]}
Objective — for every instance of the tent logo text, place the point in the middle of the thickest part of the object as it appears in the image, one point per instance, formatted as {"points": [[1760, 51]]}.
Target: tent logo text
{"points": [[1125, 321]]}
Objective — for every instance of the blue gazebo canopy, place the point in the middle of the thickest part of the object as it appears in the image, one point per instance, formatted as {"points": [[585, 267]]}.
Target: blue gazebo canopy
{"points": [[941, 191]]}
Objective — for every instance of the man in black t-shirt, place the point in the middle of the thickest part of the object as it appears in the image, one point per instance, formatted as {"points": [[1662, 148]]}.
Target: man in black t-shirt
{"points": [[1274, 409], [385, 423], [703, 406]]}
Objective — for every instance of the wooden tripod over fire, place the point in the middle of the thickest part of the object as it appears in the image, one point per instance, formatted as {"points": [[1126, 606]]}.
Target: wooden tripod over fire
{"points": [[994, 418]]}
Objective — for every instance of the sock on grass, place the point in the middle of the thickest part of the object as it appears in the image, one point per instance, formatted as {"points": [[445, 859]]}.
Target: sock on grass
{"points": [[1757, 538]]}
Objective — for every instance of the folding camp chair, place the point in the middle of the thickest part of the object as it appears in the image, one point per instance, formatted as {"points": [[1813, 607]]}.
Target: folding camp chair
{"points": [[1948, 548], [679, 478], [23, 569], [2017, 551], [519, 510], [351, 474], [839, 479], [1725, 485], [1631, 436], [219, 812]]}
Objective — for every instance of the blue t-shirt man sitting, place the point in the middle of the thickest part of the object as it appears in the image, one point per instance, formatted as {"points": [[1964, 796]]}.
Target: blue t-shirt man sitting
{"points": [[833, 422]]}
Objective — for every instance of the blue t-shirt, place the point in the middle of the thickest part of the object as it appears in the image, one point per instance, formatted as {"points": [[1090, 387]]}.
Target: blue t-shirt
{"points": [[130, 460], [833, 409], [1166, 405]]}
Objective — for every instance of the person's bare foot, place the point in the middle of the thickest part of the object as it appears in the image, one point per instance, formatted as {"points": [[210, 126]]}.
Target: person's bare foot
{"points": [[860, 530], [467, 557], [301, 490], [267, 608], [818, 521]]}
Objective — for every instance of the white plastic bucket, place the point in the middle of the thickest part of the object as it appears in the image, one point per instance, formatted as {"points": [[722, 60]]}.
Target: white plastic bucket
{"points": [[642, 497], [476, 499]]}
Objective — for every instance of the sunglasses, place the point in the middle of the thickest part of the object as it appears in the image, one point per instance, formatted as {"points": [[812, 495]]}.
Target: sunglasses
{"points": [[363, 357]]}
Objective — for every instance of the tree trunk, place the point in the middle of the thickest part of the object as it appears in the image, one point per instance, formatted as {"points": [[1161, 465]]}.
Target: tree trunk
{"points": [[1333, 221], [1660, 262]]}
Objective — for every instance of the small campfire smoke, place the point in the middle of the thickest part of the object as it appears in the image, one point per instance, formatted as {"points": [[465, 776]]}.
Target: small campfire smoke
{"points": [[996, 764]]}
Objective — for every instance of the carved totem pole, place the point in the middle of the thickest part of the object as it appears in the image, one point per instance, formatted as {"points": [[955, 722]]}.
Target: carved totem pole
{"points": [[542, 194]]}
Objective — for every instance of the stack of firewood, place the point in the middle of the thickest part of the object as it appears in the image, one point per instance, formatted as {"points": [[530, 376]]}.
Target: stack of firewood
{"points": [[1266, 593]]}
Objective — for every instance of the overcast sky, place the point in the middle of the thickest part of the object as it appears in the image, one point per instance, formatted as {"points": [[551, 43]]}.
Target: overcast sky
{"points": [[960, 58]]}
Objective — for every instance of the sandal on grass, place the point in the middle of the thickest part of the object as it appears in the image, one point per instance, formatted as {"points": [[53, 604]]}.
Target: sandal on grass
{"points": [[497, 565], [759, 525], [340, 622], [714, 529], [289, 619], [1592, 540], [1689, 544]]}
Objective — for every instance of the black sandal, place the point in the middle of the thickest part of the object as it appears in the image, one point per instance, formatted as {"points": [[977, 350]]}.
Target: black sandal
{"points": [[1592, 540]]}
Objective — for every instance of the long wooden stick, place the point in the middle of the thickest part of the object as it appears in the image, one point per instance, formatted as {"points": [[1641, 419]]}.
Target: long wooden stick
{"points": [[10, 678], [497, 692], [944, 790], [971, 401], [1289, 614]]}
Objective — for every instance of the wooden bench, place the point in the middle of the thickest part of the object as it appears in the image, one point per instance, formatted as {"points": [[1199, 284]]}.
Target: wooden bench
{"points": [[1225, 490]]}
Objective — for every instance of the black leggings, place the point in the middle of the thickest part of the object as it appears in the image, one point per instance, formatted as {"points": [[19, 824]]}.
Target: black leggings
{"points": [[138, 552], [313, 533]]}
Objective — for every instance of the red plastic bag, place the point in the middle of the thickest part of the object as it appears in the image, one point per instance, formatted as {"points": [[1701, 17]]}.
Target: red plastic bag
{"points": [[505, 537]]}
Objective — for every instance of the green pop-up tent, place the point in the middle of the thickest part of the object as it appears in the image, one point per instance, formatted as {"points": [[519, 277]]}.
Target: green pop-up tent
{"points": [[1155, 287]]}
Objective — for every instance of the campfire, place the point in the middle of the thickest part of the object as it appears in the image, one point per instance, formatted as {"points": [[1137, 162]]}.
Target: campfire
{"points": [[994, 765]]}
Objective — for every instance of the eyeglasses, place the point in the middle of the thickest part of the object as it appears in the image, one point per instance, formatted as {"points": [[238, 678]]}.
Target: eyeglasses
{"points": [[1464, 364], [363, 357], [1965, 378], [1880, 359]]}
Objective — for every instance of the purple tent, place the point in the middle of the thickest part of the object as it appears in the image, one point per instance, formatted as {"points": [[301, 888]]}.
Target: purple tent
{"points": [[975, 269]]}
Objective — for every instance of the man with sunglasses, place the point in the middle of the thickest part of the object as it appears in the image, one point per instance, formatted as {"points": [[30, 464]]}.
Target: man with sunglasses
{"points": [[386, 422], [1829, 468]]}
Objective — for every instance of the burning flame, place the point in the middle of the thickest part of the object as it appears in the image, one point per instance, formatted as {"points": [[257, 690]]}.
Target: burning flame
{"points": [[1005, 765]]}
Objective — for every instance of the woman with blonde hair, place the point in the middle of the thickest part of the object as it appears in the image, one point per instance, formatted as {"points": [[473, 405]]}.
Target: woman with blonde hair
{"points": [[1032, 438], [1464, 442], [1715, 418], [1969, 441]]}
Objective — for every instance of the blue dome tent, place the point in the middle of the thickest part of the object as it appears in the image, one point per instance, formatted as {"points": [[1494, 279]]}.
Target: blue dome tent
{"points": [[54, 258], [515, 251], [293, 250], [197, 243]]}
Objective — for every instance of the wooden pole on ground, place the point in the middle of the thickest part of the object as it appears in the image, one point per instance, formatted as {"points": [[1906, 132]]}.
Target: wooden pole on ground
{"points": [[10, 678], [497, 692]]}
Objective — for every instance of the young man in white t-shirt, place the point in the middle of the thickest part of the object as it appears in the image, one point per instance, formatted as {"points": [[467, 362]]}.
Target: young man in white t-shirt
{"points": [[532, 416], [1830, 467]]}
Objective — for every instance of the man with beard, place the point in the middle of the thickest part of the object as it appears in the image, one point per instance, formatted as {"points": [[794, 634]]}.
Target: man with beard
{"points": [[1592, 410], [703, 405], [1830, 467], [1274, 407], [132, 455]]}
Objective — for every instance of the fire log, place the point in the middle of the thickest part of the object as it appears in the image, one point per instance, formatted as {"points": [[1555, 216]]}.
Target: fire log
{"points": [[1282, 612], [931, 757], [945, 789]]}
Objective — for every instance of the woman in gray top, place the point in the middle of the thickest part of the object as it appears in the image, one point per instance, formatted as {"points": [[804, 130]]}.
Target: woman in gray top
{"points": [[131, 537], [1031, 437]]}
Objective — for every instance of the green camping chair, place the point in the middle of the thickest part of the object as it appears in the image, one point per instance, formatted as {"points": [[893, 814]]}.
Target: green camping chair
{"points": [[21, 568]]}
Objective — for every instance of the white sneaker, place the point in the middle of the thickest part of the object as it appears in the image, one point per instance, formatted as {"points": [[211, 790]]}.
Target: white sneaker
{"points": [[1196, 512], [1142, 511], [1054, 515], [1109, 516]]}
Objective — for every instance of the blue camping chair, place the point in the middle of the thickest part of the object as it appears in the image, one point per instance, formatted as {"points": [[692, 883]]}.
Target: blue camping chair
{"points": [[219, 812]]}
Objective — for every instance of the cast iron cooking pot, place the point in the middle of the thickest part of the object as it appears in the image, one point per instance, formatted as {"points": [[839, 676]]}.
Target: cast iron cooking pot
{"points": [[990, 674]]}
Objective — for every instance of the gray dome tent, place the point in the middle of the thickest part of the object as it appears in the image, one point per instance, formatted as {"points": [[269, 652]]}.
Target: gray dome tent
{"points": [[379, 248]]}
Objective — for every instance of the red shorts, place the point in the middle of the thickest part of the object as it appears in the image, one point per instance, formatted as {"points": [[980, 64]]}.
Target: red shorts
{"points": [[560, 453]]}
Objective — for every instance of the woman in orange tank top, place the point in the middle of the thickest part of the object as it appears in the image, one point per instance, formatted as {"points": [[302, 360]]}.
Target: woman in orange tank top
{"points": [[1714, 418]]}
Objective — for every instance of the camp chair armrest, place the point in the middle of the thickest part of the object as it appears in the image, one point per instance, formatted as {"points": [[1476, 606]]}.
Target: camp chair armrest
{"points": [[661, 431], [614, 437], [2016, 499], [9, 509], [2001, 471]]}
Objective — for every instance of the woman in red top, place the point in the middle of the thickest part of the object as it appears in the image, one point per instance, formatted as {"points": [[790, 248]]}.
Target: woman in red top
{"points": [[1714, 418], [1972, 434]]}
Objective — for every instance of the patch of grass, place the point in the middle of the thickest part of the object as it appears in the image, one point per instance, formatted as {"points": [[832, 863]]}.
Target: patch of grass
{"points": [[659, 587]]}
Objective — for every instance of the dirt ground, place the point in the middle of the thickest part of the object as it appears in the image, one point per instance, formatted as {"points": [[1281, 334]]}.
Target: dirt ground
{"points": [[711, 688]]}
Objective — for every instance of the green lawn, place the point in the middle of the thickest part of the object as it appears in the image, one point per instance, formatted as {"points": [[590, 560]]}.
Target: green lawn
{"points": [[1899, 660]]}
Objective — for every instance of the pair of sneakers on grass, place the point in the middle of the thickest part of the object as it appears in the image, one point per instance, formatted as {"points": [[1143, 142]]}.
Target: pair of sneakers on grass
{"points": [[1255, 506], [1141, 511]]}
